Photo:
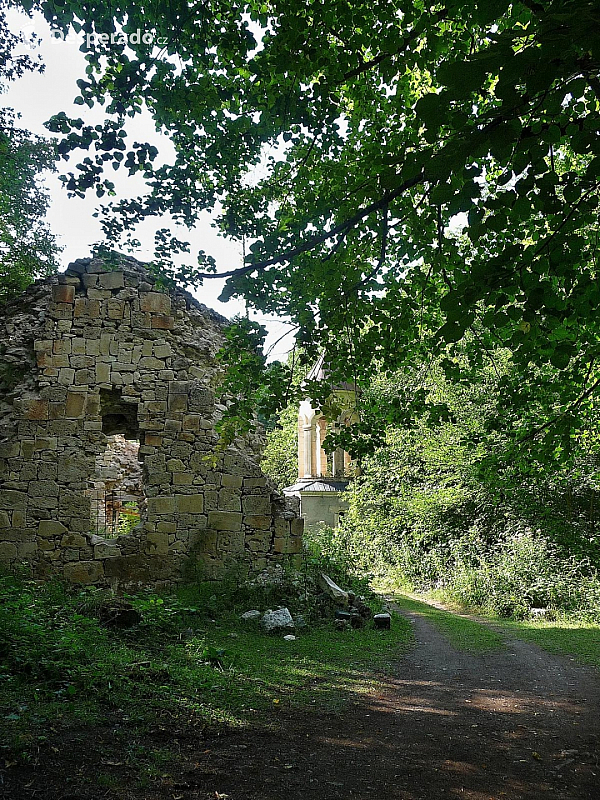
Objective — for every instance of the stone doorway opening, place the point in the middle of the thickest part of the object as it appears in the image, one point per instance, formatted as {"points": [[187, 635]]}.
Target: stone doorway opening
{"points": [[116, 489]]}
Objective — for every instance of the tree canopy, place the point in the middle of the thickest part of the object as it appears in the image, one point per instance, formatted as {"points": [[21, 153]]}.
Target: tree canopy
{"points": [[406, 175], [27, 246]]}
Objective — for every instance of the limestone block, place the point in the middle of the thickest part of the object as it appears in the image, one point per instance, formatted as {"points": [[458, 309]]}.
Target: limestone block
{"points": [[294, 545], [106, 550], [83, 377], [183, 479], [45, 443], [9, 449], [84, 572], [26, 549], [78, 346], [258, 521], [254, 483], [115, 309], [43, 345], [19, 519], [153, 440], [35, 409], [95, 294], [27, 448], [8, 551], [161, 505], [92, 405], [255, 504], [233, 481], [43, 489], [63, 294], [73, 540], [66, 376], [56, 410], [75, 405], [158, 543], [180, 387], [4, 520], [155, 302], [51, 527], [191, 504], [149, 362], [81, 362], [112, 280], [162, 322], [176, 465], [177, 402], [89, 280], [102, 372], [162, 350], [229, 500], [282, 527], [201, 398], [10, 499], [45, 545], [297, 526], [225, 520], [166, 527], [85, 307], [61, 347], [166, 374], [191, 422], [231, 542], [155, 406], [74, 504]]}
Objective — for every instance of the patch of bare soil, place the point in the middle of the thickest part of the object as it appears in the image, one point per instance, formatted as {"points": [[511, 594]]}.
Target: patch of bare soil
{"points": [[519, 724]]}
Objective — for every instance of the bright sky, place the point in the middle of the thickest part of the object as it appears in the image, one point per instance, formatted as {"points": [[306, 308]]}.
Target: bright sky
{"points": [[37, 97]]}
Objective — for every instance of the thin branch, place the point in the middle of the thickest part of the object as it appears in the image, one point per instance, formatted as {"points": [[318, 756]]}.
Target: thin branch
{"points": [[275, 343], [320, 238], [485, 350], [562, 414], [374, 62], [385, 230]]}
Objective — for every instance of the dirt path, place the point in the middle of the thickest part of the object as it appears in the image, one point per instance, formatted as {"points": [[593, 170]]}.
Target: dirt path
{"points": [[515, 724]]}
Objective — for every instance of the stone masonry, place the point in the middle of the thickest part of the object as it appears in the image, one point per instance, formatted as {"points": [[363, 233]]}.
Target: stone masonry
{"points": [[96, 352]]}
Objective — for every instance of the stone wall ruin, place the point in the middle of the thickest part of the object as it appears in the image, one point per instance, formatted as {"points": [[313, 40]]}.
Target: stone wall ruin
{"points": [[98, 353]]}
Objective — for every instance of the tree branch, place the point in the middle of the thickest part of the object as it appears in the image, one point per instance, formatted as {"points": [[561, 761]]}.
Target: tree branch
{"points": [[562, 414], [320, 238]]}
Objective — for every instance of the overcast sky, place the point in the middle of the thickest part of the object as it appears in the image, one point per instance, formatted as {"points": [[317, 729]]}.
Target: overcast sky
{"points": [[37, 97]]}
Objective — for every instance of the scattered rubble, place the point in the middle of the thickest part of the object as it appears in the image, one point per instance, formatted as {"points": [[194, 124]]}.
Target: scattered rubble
{"points": [[331, 589], [278, 620], [118, 613], [251, 615], [383, 621]]}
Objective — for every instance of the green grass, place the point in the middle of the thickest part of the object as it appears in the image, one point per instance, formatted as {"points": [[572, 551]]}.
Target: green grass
{"points": [[568, 636], [191, 657], [580, 640], [462, 633]]}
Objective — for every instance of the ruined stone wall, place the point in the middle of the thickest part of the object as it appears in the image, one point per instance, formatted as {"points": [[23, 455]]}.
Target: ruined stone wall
{"points": [[96, 352]]}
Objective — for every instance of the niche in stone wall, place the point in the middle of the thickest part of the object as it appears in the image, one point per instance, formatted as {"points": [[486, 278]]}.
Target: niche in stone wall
{"points": [[116, 489]]}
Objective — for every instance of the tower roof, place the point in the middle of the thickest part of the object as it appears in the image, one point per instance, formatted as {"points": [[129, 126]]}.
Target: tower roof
{"points": [[321, 372]]}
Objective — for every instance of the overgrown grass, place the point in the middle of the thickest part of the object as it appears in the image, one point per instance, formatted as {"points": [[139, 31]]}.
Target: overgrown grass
{"points": [[568, 636], [464, 634], [564, 637], [191, 655]]}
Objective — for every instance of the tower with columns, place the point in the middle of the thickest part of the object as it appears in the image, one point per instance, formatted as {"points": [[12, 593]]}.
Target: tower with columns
{"points": [[323, 477]]}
